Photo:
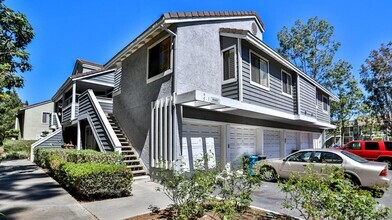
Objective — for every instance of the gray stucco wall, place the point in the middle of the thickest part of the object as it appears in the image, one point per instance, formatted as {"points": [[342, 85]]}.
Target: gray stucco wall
{"points": [[198, 55], [274, 97], [33, 126], [132, 108], [307, 98]]}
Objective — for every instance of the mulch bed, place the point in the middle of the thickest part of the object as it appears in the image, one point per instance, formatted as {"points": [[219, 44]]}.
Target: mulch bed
{"points": [[251, 214]]}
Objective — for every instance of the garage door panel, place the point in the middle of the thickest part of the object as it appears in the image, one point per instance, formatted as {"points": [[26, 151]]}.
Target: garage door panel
{"points": [[242, 142], [291, 142], [305, 143], [271, 143], [200, 139]]}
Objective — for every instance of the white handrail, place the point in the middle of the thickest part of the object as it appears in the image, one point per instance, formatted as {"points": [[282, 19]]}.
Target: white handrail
{"points": [[101, 115]]}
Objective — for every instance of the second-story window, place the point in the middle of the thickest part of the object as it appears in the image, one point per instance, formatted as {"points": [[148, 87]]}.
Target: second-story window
{"points": [[325, 103], [259, 70], [229, 64], [159, 58], [286, 83], [45, 117]]}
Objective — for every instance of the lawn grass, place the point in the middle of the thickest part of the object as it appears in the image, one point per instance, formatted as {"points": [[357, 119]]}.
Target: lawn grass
{"points": [[16, 149]]}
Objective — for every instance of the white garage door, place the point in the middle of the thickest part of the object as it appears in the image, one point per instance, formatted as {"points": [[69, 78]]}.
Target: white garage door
{"points": [[271, 143], [199, 139], [242, 142], [305, 144], [291, 142]]}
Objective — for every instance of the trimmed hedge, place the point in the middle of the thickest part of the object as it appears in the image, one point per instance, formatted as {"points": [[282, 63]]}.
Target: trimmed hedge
{"points": [[76, 156], [97, 181], [92, 156]]}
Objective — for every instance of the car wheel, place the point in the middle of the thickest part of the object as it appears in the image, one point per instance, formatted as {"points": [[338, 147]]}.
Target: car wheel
{"points": [[352, 180], [388, 162], [268, 174]]}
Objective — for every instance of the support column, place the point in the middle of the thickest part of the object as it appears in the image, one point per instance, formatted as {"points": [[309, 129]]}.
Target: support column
{"points": [[79, 137], [282, 143], [259, 141], [73, 107]]}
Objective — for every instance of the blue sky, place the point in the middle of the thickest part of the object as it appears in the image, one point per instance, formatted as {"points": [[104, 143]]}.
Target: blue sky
{"points": [[96, 30]]}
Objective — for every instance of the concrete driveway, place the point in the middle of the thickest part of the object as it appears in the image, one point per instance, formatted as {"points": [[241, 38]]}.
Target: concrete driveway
{"points": [[269, 196], [26, 192]]}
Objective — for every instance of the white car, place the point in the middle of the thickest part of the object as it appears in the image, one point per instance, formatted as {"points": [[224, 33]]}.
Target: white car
{"points": [[361, 171]]}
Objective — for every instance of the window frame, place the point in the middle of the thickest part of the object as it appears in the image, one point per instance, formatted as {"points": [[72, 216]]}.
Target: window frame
{"points": [[324, 103], [235, 65], [166, 72], [42, 118], [250, 71], [282, 84]]}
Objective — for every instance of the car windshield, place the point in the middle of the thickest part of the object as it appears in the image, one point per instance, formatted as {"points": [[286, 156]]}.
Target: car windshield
{"points": [[354, 157]]}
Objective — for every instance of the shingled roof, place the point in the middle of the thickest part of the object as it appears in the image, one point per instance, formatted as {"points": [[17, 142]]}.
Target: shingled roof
{"points": [[211, 14]]}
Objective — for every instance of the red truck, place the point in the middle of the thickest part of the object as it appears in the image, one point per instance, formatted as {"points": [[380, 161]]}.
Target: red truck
{"points": [[371, 150]]}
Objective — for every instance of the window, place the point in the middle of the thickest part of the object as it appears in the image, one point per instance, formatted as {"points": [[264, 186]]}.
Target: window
{"points": [[302, 156], [259, 70], [371, 146], [354, 157], [328, 157], [45, 117], [286, 83], [229, 64], [159, 58], [325, 103], [388, 145], [354, 146]]}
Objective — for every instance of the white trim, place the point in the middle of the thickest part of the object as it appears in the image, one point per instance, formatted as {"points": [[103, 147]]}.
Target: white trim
{"points": [[73, 106], [232, 35], [42, 118], [261, 45], [240, 73], [298, 95], [291, 84], [91, 75], [166, 72], [40, 141], [235, 65], [181, 20], [326, 103], [98, 83], [250, 71]]}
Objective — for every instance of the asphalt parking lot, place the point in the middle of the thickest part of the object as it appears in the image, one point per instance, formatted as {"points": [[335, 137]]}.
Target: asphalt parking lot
{"points": [[269, 196]]}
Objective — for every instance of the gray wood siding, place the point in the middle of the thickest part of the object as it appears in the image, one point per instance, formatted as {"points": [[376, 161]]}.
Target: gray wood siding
{"points": [[86, 107], [321, 115], [107, 78], [106, 107], [66, 116], [117, 82], [295, 94], [55, 141], [307, 98], [230, 90], [272, 98]]}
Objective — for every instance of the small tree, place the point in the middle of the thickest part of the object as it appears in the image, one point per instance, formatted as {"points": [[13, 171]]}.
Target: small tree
{"points": [[376, 76], [346, 88], [8, 109], [310, 46], [330, 197]]}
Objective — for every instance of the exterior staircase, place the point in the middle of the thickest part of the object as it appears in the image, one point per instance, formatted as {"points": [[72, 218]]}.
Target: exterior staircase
{"points": [[131, 157]]}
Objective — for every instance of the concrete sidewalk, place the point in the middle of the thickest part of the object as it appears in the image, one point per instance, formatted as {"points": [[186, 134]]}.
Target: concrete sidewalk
{"points": [[143, 196], [26, 192]]}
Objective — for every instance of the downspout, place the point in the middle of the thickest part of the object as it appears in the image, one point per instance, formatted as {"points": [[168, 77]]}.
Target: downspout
{"points": [[175, 129]]}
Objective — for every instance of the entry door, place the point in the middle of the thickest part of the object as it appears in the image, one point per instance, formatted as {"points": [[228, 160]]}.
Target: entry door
{"points": [[271, 143], [198, 140], [90, 139], [242, 142]]}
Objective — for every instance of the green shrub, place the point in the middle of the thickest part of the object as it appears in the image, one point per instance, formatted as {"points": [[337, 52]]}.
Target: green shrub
{"points": [[54, 163], [16, 149], [97, 181], [317, 197], [42, 154], [92, 156]]}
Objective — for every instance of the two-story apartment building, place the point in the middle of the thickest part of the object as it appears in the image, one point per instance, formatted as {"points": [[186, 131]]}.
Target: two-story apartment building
{"points": [[201, 82]]}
